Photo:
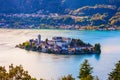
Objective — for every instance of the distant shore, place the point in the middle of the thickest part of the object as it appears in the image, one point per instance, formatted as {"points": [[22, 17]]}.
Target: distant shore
{"points": [[59, 29]]}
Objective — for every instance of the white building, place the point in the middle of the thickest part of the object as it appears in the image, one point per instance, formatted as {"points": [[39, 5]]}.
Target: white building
{"points": [[68, 40], [51, 42], [57, 39], [62, 39], [61, 43]]}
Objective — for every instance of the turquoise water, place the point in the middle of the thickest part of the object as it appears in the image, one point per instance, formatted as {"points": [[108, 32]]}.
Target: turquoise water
{"points": [[49, 66]]}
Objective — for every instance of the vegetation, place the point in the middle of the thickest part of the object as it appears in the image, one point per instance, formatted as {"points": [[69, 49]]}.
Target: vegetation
{"points": [[96, 78], [88, 14], [14, 73], [115, 74], [115, 20], [68, 77], [86, 17], [80, 43], [97, 48], [73, 47], [18, 73], [77, 42], [85, 71], [46, 40]]}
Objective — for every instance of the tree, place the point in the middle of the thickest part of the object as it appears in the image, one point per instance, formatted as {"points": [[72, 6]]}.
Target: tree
{"points": [[50, 51], [115, 74], [97, 48], [85, 71], [39, 48], [96, 78], [34, 48], [41, 79], [68, 77], [80, 42], [14, 73], [3, 73], [72, 42], [46, 40], [89, 77]]}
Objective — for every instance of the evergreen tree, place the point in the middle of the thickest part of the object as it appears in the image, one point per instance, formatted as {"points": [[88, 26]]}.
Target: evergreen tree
{"points": [[46, 40], [96, 78], [97, 48], [69, 77], [115, 74], [85, 71]]}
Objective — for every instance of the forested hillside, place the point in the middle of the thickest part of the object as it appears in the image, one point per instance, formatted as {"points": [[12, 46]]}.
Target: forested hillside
{"points": [[46, 13]]}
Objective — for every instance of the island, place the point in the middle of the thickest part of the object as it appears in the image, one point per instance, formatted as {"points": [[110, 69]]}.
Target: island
{"points": [[60, 45]]}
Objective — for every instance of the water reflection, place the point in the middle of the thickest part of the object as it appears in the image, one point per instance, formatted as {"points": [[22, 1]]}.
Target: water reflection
{"points": [[97, 56]]}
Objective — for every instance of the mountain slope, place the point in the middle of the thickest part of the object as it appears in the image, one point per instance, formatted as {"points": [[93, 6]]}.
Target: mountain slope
{"points": [[57, 6], [52, 13]]}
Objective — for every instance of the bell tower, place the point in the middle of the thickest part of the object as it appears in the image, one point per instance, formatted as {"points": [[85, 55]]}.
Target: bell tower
{"points": [[39, 39]]}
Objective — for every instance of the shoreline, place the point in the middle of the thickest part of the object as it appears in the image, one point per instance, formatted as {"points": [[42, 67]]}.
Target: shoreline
{"points": [[60, 45], [52, 29]]}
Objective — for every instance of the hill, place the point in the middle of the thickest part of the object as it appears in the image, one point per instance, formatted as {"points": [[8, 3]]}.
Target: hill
{"points": [[59, 13], [30, 6]]}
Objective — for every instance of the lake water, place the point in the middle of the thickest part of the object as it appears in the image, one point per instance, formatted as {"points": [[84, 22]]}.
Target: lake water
{"points": [[49, 66]]}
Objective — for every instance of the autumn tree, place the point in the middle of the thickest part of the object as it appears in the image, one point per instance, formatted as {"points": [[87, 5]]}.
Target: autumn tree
{"points": [[14, 73], [3, 73]]}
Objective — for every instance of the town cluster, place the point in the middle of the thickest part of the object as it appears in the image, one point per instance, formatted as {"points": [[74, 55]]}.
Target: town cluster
{"points": [[60, 45]]}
